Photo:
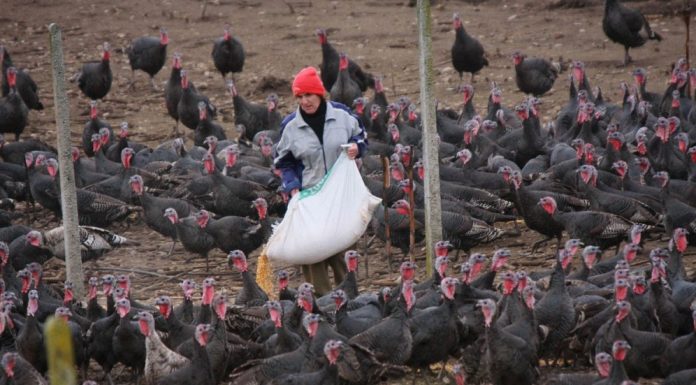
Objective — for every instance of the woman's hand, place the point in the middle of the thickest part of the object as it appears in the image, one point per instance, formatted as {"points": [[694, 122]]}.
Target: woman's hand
{"points": [[352, 151]]}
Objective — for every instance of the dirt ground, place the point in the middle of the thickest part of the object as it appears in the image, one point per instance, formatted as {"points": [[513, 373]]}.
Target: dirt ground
{"points": [[279, 39]]}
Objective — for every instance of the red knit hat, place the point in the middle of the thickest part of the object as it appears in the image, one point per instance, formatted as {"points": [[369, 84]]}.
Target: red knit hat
{"points": [[307, 81]]}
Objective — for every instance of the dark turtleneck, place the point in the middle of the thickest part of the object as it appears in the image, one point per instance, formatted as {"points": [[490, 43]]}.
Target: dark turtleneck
{"points": [[316, 120]]}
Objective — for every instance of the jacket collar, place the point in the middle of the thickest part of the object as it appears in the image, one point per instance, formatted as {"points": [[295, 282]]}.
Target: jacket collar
{"points": [[330, 115]]}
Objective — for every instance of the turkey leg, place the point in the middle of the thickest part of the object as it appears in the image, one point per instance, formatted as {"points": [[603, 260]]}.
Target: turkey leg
{"points": [[171, 249], [627, 57], [153, 84], [131, 82]]}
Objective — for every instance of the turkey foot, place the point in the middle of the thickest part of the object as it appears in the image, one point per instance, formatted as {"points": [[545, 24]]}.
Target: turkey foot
{"points": [[153, 84], [539, 243], [516, 232]]}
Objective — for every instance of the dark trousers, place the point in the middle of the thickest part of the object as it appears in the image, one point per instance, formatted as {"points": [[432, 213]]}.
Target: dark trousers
{"points": [[318, 273]]}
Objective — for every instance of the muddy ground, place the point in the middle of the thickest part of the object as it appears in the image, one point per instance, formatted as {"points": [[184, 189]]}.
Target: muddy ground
{"points": [[279, 39]]}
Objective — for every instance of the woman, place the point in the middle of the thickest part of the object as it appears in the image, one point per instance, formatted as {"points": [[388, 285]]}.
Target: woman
{"points": [[310, 143]]}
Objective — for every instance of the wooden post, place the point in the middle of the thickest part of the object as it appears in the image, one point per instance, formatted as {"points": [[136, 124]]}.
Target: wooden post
{"points": [[686, 16], [411, 215], [73, 258], [387, 231], [431, 180]]}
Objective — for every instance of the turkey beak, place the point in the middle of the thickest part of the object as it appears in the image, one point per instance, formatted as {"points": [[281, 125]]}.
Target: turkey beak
{"points": [[620, 353], [682, 145], [681, 243], [395, 134], [529, 299], [616, 144], [396, 174], [641, 148], [312, 329], [338, 302], [406, 157], [333, 355], [521, 282], [467, 137], [443, 249], [34, 241], [393, 113], [353, 264], [467, 95], [487, 314], [51, 170], [657, 272], [188, 292], [171, 217], [566, 261], [137, 188], [275, 317], [144, 326], [590, 260], [96, 145], [164, 37], [35, 277], [282, 283], [164, 310], [662, 132], [638, 288], [208, 293], [638, 77], [407, 274], [450, 291], [621, 292], [203, 338], [202, 114], [11, 78], [305, 304], [126, 159], [508, 286], [221, 308], [620, 170]]}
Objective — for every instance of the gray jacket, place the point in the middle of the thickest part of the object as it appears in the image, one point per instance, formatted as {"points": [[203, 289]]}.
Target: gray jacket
{"points": [[302, 159]]}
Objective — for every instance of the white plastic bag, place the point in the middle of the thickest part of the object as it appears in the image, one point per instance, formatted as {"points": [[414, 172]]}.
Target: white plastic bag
{"points": [[325, 219]]}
